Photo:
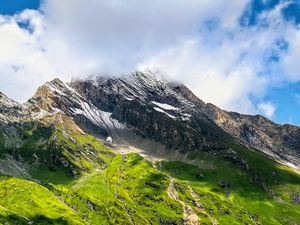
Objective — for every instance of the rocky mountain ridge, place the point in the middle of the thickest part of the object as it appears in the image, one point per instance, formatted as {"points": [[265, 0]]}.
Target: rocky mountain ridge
{"points": [[157, 110], [60, 158], [164, 112], [281, 142]]}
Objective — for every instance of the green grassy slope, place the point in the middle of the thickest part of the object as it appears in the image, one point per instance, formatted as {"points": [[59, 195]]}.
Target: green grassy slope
{"points": [[75, 179], [52, 154], [25, 202], [128, 191], [257, 191]]}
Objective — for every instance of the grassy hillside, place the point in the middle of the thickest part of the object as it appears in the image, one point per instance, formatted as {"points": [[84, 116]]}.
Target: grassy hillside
{"points": [[51, 153], [69, 177], [245, 189], [128, 191], [25, 202]]}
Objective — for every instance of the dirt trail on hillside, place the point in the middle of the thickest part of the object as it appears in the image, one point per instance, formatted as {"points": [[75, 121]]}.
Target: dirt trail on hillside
{"points": [[200, 207], [189, 215]]}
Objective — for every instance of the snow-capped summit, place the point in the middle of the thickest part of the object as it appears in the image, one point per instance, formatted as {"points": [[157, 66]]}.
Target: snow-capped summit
{"points": [[149, 107]]}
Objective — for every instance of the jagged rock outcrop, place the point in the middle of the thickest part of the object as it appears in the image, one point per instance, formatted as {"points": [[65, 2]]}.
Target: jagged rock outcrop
{"points": [[282, 142], [205, 175], [10, 110], [138, 102], [160, 111]]}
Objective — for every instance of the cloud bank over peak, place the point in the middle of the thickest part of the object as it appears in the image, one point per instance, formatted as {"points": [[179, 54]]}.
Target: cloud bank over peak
{"points": [[201, 43]]}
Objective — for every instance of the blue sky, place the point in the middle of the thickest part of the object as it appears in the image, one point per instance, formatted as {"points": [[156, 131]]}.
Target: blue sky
{"points": [[286, 96], [12, 6], [239, 55], [287, 99], [291, 12]]}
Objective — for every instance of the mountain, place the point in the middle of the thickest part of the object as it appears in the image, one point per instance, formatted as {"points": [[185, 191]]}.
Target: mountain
{"points": [[167, 113], [281, 142], [138, 149]]}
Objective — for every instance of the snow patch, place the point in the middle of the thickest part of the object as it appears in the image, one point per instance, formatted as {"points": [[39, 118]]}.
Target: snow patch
{"points": [[73, 90], [109, 139], [97, 117], [54, 89], [165, 106], [162, 111], [129, 99], [77, 111], [186, 117]]}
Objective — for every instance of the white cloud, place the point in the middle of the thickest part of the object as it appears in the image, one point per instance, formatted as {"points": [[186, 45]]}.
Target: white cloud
{"points": [[29, 57], [119, 34], [267, 108], [218, 73], [20, 57], [97, 36], [290, 62], [233, 68], [212, 74], [223, 63]]}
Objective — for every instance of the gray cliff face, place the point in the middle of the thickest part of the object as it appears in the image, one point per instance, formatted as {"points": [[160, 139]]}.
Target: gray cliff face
{"points": [[282, 142], [10, 111], [12, 116], [154, 111], [163, 112], [139, 103]]}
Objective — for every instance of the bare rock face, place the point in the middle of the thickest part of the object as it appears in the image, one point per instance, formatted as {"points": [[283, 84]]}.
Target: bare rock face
{"points": [[12, 117], [281, 142], [10, 111], [139, 103], [163, 112]]}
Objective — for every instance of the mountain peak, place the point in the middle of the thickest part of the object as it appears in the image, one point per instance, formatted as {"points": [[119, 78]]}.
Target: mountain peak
{"points": [[4, 100], [43, 97], [2, 95], [165, 112], [56, 82]]}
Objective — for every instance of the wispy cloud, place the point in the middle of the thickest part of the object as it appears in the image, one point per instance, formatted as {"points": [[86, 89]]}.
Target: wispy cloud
{"points": [[267, 108], [200, 43], [233, 68]]}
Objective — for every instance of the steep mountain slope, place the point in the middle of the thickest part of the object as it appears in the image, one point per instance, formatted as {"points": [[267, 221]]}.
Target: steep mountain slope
{"points": [[282, 142], [109, 105], [66, 158], [25, 202], [167, 113], [34, 142]]}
